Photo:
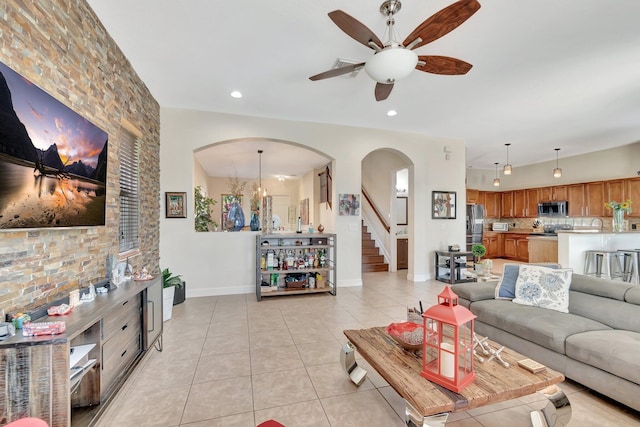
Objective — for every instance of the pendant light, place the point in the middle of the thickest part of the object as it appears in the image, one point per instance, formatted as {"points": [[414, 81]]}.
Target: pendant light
{"points": [[261, 191], [507, 167], [496, 181], [557, 172]]}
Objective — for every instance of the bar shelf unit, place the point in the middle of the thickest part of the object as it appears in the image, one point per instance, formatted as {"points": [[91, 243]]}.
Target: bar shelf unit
{"points": [[295, 242]]}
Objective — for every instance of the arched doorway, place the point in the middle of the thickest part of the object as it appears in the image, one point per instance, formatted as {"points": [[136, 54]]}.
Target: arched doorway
{"points": [[387, 201]]}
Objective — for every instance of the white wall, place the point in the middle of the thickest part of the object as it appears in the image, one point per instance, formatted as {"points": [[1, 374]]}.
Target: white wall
{"points": [[620, 162], [217, 263]]}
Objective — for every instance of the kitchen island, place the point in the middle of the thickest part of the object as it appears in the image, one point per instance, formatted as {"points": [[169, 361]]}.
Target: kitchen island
{"points": [[572, 245]]}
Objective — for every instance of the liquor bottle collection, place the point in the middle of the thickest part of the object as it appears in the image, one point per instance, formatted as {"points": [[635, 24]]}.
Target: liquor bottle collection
{"points": [[297, 260]]}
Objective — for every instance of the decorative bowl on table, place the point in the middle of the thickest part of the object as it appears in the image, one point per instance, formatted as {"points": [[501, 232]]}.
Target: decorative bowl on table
{"points": [[408, 334]]}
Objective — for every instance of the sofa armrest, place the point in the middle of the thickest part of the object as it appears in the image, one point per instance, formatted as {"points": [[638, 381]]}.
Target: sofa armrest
{"points": [[474, 291]]}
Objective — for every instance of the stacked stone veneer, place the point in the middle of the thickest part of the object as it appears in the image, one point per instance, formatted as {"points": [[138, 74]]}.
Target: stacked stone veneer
{"points": [[63, 48]]}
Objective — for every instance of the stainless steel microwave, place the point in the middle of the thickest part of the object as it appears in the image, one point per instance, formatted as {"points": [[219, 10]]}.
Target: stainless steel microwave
{"points": [[556, 208]]}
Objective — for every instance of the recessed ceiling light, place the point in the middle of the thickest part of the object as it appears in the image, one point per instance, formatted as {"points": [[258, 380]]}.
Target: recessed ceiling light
{"points": [[236, 94], [392, 113]]}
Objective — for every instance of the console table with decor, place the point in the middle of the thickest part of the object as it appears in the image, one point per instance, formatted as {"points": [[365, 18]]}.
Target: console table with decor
{"points": [[448, 266], [67, 379]]}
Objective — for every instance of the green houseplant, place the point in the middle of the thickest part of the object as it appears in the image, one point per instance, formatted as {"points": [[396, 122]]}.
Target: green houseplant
{"points": [[478, 250], [173, 292], [202, 210]]}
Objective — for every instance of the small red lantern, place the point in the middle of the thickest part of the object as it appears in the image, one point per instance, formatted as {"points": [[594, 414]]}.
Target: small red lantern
{"points": [[447, 353]]}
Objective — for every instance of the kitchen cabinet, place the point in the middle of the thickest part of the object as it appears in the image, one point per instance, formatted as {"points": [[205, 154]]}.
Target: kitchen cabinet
{"points": [[594, 194], [494, 243], [516, 246], [507, 204], [519, 200], [492, 203], [559, 192], [575, 197], [309, 264], [472, 196], [632, 192], [402, 257], [614, 190], [531, 207]]}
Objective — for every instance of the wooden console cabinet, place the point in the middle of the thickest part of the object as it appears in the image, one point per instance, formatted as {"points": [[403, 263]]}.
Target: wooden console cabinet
{"points": [[46, 376]]}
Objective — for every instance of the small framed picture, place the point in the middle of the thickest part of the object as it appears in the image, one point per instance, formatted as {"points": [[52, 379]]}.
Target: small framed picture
{"points": [[444, 205], [176, 204]]}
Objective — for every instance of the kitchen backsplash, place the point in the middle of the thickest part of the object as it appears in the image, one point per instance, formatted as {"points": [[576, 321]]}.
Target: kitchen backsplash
{"points": [[527, 223]]}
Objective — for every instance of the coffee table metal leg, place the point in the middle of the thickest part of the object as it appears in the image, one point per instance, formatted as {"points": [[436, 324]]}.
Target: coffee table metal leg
{"points": [[413, 419], [556, 413], [348, 361]]}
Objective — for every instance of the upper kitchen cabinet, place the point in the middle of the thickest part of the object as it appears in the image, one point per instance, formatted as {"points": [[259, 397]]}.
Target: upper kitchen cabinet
{"points": [[533, 198], [614, 190], [559, 192], [575, 197], [519, 201], [507, 204], [594, 193], [472, 196], [492, 204], [632, 192]]}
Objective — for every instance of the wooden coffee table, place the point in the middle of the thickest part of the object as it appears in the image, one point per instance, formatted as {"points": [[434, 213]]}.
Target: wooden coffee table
{"points": [[429, 404]]}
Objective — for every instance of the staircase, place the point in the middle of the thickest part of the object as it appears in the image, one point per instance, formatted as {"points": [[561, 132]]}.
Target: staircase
{"points": [[372, 260]]}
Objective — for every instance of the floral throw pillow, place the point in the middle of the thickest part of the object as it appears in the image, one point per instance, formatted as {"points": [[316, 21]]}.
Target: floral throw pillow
{"points": [[543, 287]]}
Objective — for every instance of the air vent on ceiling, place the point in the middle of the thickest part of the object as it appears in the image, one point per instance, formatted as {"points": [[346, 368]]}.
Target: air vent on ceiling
{"points": [[341, 62]]}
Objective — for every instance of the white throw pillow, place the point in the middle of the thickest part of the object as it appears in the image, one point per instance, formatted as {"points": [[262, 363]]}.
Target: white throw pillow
{"points": [[543, 287]]}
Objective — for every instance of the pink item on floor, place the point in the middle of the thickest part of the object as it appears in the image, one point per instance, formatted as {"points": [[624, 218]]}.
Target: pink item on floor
{"points": [[28, 422]]}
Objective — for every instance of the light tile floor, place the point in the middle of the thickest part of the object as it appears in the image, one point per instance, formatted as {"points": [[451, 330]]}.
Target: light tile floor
{"points": [[231, 361]]}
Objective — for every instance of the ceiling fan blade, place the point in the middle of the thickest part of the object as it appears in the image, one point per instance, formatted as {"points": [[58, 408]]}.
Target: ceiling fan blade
{"points": [[442, 65], [442, 22], [354, 28], [383, 90], [335, 72]]}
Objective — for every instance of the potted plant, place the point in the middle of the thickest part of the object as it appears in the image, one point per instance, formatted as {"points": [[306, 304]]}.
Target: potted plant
{"points": [[171, 285], [202, 211], [478, 250]]}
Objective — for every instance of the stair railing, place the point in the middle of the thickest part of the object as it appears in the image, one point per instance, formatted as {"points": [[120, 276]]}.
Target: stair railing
{"points": [[376, 211]]}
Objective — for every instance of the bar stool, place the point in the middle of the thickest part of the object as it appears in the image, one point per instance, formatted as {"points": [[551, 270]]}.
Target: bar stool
{"points": [[604, 264], [630, 262]]}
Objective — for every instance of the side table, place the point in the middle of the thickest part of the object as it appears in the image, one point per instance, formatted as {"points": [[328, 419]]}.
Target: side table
{"points": [[448, 266]]}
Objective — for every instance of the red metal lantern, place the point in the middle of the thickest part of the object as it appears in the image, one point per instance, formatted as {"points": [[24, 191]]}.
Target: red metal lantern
{"points": [[447, 353]]}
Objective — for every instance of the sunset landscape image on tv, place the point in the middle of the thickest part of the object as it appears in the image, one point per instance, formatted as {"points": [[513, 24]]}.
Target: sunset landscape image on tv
{"points": [[53, 162]]}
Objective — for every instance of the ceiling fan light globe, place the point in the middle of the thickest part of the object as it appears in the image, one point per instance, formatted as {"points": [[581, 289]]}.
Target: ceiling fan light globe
{"points": [[391, 64]]}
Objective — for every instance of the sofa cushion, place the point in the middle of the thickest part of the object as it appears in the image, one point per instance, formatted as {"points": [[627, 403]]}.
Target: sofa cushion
{"points": [[543, 287], [546, 328], [474, 291], [506, 288], [614, 289], [612, 312], [633, 295], [613, 351]]}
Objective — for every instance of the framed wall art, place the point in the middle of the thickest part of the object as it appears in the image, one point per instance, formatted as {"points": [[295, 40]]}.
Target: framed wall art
{"points": [[176, 204], [349, 205], [444, 205]]}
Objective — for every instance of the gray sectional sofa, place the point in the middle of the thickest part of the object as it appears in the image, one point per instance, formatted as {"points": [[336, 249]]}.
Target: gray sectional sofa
{"points": [[596, 344]]}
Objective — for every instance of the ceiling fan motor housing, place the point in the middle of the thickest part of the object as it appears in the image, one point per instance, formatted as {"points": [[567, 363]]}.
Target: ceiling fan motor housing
{"points": [[391, 64]]}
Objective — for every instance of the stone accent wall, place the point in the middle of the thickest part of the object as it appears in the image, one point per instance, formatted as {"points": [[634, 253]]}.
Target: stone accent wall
{"points": [[62, 47]]}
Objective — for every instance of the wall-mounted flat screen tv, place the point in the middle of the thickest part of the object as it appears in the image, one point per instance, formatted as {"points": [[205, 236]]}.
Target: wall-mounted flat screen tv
{"points": [[53, 162]]}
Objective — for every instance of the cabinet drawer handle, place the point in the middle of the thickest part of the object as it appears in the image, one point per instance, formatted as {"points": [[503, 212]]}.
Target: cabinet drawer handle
{"points": [[123, 353], [125, 327], [125, 303]]}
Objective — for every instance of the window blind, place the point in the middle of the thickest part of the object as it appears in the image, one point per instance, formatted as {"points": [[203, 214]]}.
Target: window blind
{"points": [[129, 192]]}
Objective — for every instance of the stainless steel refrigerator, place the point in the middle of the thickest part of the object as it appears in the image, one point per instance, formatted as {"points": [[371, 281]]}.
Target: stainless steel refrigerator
{"points": [[475, 224]]}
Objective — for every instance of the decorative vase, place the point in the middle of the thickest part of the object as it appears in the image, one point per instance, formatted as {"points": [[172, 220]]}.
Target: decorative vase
{"points": [[320, 228], [618, 220], [167, 302], [237, 216], [254, 224]]}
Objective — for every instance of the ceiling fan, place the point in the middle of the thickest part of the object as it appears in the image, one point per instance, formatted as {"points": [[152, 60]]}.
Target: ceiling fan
{"points": [[393, 60]]}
